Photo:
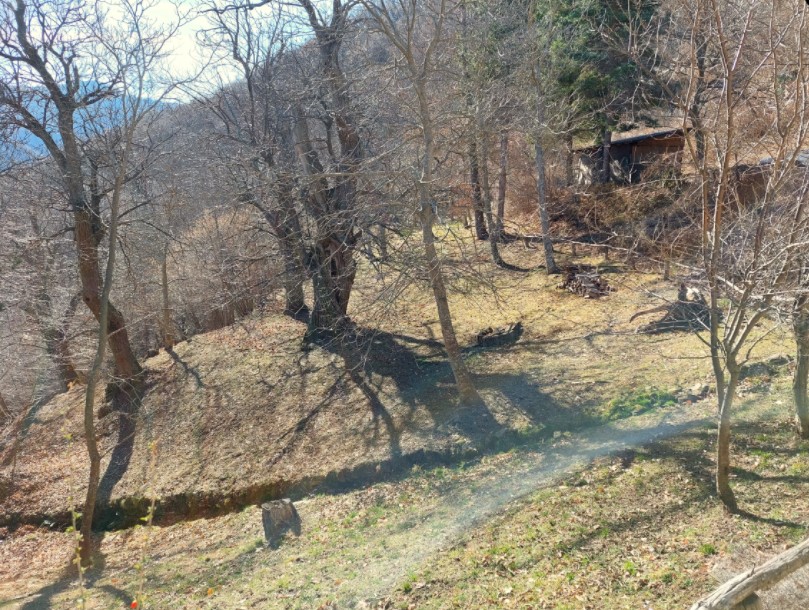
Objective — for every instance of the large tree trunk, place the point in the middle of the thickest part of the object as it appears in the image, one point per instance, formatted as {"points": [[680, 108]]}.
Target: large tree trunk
{"points": [[477, 196], [502, 178], [331, 258], [800, 326], [127, 368]]}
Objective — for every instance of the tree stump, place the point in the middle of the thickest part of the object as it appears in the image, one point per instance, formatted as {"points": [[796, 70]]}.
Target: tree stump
{"points": [[279, 517]]}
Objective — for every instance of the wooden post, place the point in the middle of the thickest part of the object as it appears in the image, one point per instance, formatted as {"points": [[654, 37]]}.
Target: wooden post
{"points": [[279, 517]]}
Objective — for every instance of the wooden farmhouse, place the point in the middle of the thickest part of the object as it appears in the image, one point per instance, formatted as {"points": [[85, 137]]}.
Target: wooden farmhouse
{"points": [[629, 155]]}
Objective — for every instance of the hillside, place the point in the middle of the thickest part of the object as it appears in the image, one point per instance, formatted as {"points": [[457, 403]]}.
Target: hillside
{"points": [[244, 413]]}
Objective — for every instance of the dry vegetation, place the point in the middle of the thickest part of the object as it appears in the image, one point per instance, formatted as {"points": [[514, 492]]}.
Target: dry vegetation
{"points": [[242, 414]]}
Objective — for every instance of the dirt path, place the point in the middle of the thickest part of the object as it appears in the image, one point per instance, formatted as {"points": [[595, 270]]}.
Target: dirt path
{"points": [[479, 495]]}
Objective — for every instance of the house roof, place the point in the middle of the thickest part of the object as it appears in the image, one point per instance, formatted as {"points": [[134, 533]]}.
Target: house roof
{"points": [[637, 135], [801, 159]]}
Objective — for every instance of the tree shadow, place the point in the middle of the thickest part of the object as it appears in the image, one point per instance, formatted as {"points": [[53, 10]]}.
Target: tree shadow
{"points": [[422, 377], [688, 450], [125, 403], [42, 599], [189, 370]]}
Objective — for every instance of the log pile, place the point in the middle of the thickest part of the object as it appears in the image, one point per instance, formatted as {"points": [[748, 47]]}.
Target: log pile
{"points": [[585, 281], [689, 312], [498, 337]]}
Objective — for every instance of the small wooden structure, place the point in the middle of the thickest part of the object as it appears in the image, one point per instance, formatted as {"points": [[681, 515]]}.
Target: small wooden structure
{"points": [[278, 517], [629, 155], [739, 593]]}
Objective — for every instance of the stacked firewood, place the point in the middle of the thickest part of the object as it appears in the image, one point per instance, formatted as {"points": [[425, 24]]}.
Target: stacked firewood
{"points": [[585, 281]]}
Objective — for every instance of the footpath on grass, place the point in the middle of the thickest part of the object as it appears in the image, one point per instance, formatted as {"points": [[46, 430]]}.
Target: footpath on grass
{"points": [[470, 503]]}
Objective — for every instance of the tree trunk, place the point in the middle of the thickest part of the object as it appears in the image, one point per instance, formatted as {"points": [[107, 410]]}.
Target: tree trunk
{"points": [[57, 344], [277, 518], [569, 159], [463, 379], [127, 368], [606, 174], [739, 593], [723, 488], [105, 311], [487, 199], [288, 230], [502, 177], [167, 324], [331, 259], [698, 103], [542, 203], [800, 326], [477, 196]]}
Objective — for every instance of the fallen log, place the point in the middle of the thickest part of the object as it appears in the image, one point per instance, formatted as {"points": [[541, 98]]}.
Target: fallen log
{"points": [[739, 593]]}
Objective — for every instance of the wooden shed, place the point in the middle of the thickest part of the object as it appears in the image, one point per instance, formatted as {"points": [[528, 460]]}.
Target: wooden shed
{"points": [[630, 154]]}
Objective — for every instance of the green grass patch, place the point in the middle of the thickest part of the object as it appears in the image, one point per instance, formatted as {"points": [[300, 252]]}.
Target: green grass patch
{"points": [[635, 403]]}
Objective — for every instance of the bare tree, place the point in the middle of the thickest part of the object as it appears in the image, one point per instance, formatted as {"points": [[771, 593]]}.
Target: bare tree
{"points": [[748, 253], [332, 204], [416, 30], [254, 119], [47, 84]]}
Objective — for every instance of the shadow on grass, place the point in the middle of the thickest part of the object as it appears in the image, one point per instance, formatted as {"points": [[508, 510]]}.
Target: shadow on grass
{"points": [[372, 358], [687, 449]]}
